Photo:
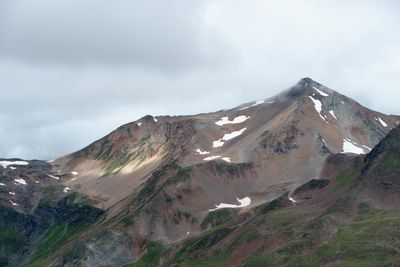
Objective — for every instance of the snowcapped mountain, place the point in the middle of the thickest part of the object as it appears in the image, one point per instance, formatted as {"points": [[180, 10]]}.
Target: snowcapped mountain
{"points": [[157, 182]]}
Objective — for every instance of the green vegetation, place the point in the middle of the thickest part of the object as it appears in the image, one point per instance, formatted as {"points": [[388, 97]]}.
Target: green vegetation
{"points": [[181, 176], [273, 205], [192, 252], [345, 178], [11, 241], [54, 234], [151, 258], [69, 218], [104, 151], [216, 218], [12, 231], [48, 194], [317, 183], [117, 165], [370, 241], [390, 163]]}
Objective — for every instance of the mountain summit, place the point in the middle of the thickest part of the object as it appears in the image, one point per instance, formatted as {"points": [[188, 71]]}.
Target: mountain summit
{"points": [[165, 180]]}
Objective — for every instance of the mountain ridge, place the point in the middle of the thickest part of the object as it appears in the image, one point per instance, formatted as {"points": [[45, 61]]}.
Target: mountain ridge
{"points": [[161, 180]]}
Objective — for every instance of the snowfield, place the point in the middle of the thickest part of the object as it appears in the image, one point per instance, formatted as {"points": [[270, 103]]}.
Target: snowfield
{"points": [[318, 106], [226, 137], [246, 201], [6, 163], [236, 120], [352, 147]]}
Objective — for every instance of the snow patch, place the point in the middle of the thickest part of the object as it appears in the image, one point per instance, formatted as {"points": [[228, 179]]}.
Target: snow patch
{"points": [[246, 201], [74, 173], [227, 159], [384, 124], [2, 184], [154, 119], [333, 114], [211, 158], [367, 147], [324, 142], [352, 147], [54, 177], [320, 92], [6, 163], [66, 189], [73, 179], [318, 106], [236, 120], [292, 199], [232, 135], [226, 137], [258, 102], [202, 152], [139, 124], [218, 143], [20, 181], [13, 203], [12, 193]]}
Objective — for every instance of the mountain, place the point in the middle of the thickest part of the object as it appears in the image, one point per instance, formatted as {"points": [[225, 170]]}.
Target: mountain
{"points": [[269, 183]]}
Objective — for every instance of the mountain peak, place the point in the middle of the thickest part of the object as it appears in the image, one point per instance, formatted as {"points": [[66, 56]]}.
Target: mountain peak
{"points": [[308, 86]]}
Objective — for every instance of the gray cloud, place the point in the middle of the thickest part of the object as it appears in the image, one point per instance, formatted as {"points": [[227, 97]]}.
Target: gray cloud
{"points": [[158, 34], [72, 71]]}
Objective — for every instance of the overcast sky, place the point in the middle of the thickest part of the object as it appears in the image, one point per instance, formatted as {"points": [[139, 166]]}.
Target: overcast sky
{"points": [[73, 70]]}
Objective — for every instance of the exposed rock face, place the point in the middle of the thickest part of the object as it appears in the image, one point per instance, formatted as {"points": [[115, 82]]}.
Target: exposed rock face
{"points": [[156, 179]]}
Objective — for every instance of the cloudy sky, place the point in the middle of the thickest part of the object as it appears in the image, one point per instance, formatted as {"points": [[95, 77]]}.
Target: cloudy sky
{"points": [[72, 70]]}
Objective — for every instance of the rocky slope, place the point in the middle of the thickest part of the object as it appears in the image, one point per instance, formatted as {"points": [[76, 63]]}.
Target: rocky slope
{"points": [[213, 188]]}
